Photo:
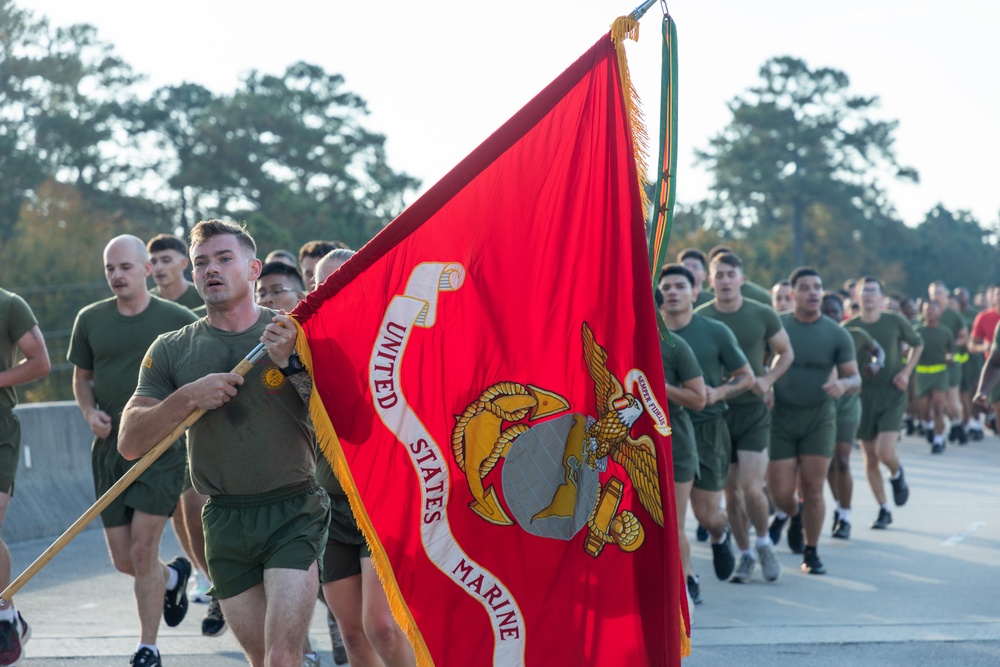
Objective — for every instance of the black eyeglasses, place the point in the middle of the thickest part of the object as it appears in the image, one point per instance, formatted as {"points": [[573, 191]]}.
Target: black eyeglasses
{"points": [[274, 292]]}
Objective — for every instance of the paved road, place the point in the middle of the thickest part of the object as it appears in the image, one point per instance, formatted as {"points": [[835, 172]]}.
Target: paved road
{"points": [[925, 592]]}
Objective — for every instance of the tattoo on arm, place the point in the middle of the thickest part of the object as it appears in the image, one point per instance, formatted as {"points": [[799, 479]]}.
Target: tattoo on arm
{"points": [[303, 384]]}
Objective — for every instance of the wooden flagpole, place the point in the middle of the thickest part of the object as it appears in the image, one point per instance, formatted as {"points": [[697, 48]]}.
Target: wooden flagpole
{"points": [[140, 466]]}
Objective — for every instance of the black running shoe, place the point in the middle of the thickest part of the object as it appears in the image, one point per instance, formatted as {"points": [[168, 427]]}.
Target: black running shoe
{"points": [[796, 542], [214, 623], [774, 530], [953, 434], [976, 434], [843, 531], [930, 436], [811, 564], [910, 427], [694, 590], [145, 657], [836, 521], [936, 448], [175, 603], [963, 437], [883, 520], [701, 533], [900, 489], [723, 558]]}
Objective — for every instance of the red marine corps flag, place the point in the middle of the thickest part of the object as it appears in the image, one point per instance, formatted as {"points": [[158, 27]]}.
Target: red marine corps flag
{"points": [[490, 393]]}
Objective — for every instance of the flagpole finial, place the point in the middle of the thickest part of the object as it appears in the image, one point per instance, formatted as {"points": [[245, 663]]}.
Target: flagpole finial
{"points": [[641, 10]]}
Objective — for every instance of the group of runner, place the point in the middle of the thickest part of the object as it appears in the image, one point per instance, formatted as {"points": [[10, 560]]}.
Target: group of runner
{"points": [[769, 391], [264, 525]]}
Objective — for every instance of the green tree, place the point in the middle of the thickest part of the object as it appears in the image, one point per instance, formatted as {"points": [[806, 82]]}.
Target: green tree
{"points": [[286, 153], [799, 147]]}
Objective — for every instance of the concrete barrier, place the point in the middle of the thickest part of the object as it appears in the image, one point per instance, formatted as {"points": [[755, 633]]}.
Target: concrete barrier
{"points": [[54, 486]]}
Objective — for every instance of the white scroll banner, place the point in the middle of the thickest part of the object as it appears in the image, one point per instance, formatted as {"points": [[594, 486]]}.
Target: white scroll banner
{"points": [[418, 308], [659, 415]]}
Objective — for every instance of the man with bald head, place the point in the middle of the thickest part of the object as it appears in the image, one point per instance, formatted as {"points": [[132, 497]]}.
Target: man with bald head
{"points": [[107, 348]]}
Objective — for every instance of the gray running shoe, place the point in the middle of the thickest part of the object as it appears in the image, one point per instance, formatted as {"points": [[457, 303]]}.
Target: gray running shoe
{"points": [[770, 566], [214, 623], [744, 571]]}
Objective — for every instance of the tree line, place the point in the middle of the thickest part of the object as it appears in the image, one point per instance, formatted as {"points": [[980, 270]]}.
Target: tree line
{"points": [[798, 174]]}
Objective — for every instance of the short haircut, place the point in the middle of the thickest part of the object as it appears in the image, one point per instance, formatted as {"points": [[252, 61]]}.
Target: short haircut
{"points": [[781, 283], [162, 242], [833, 296], [718, 250], [281, 252], [677, 270], [339, 255], [318, 249], [282, 269], [729, 259], [206, 229], [802, 272], [872, 279], [689, 253]]}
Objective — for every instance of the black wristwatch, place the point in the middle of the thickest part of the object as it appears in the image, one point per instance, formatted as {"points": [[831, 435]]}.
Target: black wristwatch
{"points": [[294, 366]]}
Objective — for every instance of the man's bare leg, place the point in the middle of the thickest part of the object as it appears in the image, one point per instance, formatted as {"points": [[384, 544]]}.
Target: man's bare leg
{"points": [[383, 632], [343, 596]]}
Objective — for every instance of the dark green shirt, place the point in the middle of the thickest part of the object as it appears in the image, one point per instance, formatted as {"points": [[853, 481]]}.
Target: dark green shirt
{"points": [[16, 319], [189, 299], [891, 330], [718, 354], [753, 325], [679, 366], [819, 347], [259, 441], [112, 346], [938, 344]]}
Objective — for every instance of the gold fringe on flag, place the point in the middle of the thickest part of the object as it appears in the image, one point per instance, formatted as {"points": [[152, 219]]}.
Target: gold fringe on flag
{"points": [[329, 444], [625, 27]]}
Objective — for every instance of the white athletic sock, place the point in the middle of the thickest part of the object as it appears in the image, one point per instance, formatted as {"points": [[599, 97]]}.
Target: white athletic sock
{"points": [[899, 471], [780, 515], [939, 439], [929, 426], [747, 552], [764, 541], [975, 425], [836, 507], [172, 579], [885, 506], [151, 647], [845, 514]]}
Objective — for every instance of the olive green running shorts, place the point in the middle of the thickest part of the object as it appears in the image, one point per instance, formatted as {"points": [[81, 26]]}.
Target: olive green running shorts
{"points": [[156, 491], [803, 431], [881, 411], [714, 454], [684, 449], [10, 449], [345, 543], [928, 382], [244, 535], [749, 427]]}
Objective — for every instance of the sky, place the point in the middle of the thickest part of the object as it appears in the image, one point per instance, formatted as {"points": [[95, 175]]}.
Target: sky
{"points": [[440, 76]]}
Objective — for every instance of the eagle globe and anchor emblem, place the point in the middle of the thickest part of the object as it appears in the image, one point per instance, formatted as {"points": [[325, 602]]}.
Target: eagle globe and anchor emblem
{"points": [[551, 472]]}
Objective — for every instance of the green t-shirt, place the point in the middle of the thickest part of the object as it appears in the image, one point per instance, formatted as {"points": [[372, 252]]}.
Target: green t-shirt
{"points": [[679, 366], [753, 325], [751, 290], [16, 319], [718, 354], [113, 345], [189, 299], [952, 321], [259, 441], [938, 343], [819, 347], [891, 330]]}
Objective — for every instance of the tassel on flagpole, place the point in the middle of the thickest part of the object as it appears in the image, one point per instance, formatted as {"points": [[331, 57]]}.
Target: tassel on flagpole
{"points": [[627, 27]]}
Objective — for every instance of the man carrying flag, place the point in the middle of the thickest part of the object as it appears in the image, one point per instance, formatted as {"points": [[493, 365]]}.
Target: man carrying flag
{"points": [[502, 439], [252, 452]]}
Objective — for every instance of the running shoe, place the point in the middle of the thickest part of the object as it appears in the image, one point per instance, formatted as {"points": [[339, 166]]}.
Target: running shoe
{"points": [[770, 566], [694, 589], [214, 623], [843, 531], [310, 660], [744, 571], [175, 603], [145, 657], [11, 650], [701, 533], [936, 448], [900, 489], [811, 564], [198, 589], [796, 542], [883, 520], [723, 558], [774, 530]]}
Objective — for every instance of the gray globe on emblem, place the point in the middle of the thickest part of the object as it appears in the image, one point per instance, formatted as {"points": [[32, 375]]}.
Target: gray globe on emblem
{"points": [[538, 468]]}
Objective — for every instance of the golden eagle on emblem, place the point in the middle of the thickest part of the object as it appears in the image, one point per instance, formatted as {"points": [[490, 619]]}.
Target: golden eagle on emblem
{"points": [[609, 435]]}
